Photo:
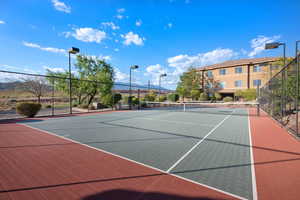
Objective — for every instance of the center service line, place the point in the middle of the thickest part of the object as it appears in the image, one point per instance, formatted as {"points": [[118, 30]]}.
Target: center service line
{"points": [[197, 144]]}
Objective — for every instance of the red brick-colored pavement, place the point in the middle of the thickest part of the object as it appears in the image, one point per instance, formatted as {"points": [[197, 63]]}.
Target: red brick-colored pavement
{"points": [[37, 165], [277, 160]]}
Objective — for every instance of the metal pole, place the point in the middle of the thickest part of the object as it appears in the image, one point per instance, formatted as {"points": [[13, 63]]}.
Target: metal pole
{"points": [[283, 85], [129, 99], [159, 87], [139, 107], [70, 84], [297, 88], [53, 97]]}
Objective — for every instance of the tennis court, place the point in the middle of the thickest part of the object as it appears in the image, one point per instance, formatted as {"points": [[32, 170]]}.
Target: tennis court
{"points": [[208, 147]]}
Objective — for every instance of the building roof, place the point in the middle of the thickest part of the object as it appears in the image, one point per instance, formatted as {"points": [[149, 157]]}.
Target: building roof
{"points": [[232, 63]]}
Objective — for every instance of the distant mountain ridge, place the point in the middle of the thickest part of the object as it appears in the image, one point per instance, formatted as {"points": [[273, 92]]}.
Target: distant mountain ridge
{"points": [[125, 86], [117, 86]]}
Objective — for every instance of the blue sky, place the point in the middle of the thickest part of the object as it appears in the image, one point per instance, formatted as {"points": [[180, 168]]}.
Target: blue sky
{"points": [[161, 36]]}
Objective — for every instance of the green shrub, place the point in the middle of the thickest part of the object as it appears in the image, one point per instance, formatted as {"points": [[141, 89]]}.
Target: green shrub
{"points": [[28, 109], [107, 100], [173, 97], [116, 98], [143, 105], [135, 101], [161, 98], [227, 99], [217, 96], [195, 94], [203, 97], [48, 106], [248, 95], [151, 96]]}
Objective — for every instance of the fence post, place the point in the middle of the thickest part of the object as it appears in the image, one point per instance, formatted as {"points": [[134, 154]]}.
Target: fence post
{"points": [[297, 88], [53, 97], [257, 98]]}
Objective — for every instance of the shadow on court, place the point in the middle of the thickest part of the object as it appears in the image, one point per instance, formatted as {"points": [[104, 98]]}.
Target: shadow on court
{"points": [[138, 195]]}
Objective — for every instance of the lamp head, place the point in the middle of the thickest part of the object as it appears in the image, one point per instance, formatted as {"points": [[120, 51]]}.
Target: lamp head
{"points": [[134, 67], [272, 45], [74, 50]]}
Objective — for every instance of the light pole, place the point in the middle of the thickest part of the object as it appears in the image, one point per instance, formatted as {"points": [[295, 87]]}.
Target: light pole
{"points": [[73, 50], [129, 99], [160, 76], [297, 88], [275, 45]]}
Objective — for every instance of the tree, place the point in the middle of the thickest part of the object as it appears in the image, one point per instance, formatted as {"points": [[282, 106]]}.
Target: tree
{"points": [[217, 96], [94, 77], [62, 84], [190, 80], [95, 70], [37, 86], [173, 97], [151, 96], [195, 94]]}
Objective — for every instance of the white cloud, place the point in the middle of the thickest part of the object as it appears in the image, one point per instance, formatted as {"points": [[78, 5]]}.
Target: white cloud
{"points": [[111, 25], [119, 16], [131, 38], [49, 49], [116, 49], [101, 57], [120, 76], [2, 22], [54, 69], [61, 6], [258, 44], [121, 10], [87, 35], [170, 25], [107, 58], [154, 71], [181, 63], [138, 22], [5, 77]]}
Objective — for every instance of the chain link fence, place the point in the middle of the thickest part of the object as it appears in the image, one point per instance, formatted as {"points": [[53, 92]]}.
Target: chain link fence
{"points": [[279, 97], [54, 94]]}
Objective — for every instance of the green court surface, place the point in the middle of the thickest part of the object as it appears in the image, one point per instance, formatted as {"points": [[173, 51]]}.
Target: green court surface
{"points": [[210, 149]]}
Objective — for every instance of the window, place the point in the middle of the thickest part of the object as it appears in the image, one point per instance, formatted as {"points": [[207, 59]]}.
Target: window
{"points": [[275, 67], [222, 71], [256, 68], [257, 82], [238, 70], [223, 84], [238, 83], [209, 74], [209, 85]]}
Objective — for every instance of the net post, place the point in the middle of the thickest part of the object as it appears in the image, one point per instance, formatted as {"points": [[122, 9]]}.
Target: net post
{"points": [[139, 106]]}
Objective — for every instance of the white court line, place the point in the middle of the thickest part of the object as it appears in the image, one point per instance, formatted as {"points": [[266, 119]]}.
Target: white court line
{"points": [[139, 163], [197, 144], [176, 122], [254, 186]]}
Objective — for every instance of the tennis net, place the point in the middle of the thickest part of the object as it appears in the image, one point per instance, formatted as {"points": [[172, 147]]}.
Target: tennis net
{"points": [[232, 108]]}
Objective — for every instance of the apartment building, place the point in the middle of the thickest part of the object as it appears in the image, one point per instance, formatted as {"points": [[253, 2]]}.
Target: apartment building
{"points": [[240, 74]]}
